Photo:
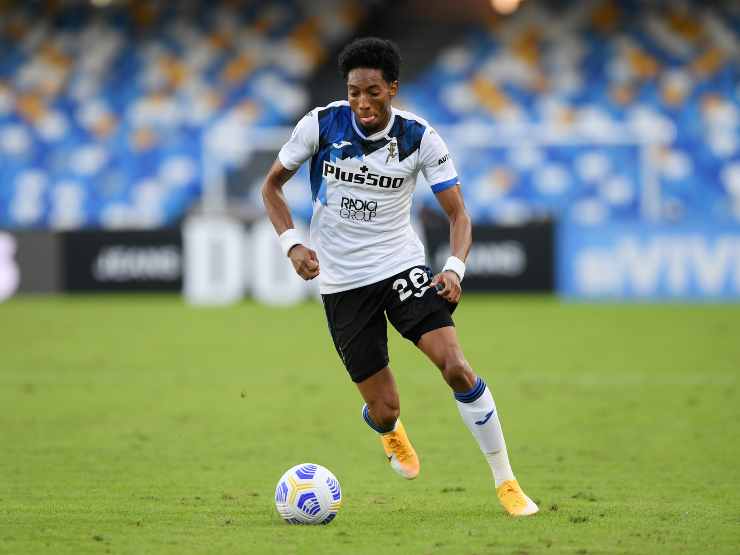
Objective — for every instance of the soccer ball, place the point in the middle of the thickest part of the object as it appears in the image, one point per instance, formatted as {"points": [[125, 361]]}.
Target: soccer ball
{"points": [[308, 494]]}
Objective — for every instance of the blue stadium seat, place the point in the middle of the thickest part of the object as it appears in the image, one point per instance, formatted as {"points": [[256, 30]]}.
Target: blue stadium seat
{"points": [[619, 73], [103, 115], [111, 106]]}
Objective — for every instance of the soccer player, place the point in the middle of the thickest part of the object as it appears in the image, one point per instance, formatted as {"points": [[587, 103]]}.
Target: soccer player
{"points": [[365, 157]]}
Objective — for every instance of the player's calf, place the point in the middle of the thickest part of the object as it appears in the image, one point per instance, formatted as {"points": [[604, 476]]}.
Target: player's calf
{"points": [[478, 411], [382, 414]]}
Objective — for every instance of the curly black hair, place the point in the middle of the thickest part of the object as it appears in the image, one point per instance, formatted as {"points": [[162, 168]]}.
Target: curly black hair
{"points": [[373, 53]]}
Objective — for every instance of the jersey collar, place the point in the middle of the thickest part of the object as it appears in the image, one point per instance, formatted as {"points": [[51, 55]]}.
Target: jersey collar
{"points": [[378, 134]]}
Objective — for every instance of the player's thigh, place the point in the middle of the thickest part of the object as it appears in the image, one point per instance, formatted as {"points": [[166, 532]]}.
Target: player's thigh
{"points": [[413, 306], [442, 347], [359, 331]]}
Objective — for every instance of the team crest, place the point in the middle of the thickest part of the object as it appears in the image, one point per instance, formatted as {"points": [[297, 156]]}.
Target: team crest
{"points": [[392, 150]]}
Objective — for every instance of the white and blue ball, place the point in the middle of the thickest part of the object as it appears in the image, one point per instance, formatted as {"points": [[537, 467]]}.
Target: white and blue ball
{"points": [[308, 494]]}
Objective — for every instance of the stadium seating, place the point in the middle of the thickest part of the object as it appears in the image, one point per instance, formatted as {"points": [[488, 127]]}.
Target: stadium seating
{"points": [[104, 112], [600, 110], [595, 110]]}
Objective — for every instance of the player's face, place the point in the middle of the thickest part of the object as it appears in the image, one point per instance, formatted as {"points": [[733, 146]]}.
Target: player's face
{"points": [[370, 97]]}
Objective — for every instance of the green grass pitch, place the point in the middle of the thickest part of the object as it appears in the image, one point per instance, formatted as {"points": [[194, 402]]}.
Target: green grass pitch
{"points": [[138, 424]]}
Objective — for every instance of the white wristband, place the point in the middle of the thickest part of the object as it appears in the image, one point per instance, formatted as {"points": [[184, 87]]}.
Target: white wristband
{"points": [[288, 239], [456, 265]]}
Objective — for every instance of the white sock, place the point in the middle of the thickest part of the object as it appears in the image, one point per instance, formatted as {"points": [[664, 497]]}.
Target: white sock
{"points": [[478, 411]]}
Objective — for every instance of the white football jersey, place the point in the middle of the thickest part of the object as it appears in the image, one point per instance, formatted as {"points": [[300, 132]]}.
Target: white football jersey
{"points": [[362, 188]]}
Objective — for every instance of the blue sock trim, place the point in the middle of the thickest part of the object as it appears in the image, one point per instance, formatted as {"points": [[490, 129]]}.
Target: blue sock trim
{"points": [[373, 425], [473, 394]]}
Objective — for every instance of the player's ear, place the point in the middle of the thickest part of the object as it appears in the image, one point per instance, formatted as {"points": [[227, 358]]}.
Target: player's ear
{"points": [[393, 88]]}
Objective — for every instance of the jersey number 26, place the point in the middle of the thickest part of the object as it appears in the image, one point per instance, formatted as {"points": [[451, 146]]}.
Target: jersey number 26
{"points": [[418, 278]]}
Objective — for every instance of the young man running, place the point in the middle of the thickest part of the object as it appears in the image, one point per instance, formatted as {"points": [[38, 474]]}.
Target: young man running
{"points": [[365, 157]]}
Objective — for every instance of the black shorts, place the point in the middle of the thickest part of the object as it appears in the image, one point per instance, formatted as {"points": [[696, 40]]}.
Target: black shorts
{"points": [[357, 318]]}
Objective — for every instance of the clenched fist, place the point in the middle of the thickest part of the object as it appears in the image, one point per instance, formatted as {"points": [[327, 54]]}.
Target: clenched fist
{"points": [[305, 261], [448, 286]]}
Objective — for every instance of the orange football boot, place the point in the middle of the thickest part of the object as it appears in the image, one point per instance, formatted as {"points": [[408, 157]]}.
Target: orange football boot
{"points": [[401, 454]]}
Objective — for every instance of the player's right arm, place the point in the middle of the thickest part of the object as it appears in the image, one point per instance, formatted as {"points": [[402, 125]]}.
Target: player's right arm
{"points": [[303, 143], [304, 260]]}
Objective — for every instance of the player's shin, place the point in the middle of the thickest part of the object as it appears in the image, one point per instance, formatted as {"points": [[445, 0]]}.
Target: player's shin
{"points": [[478, 411]]}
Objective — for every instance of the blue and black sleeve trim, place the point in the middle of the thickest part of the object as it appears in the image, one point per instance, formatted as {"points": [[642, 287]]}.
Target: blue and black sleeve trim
{"points": [[439, 187]]}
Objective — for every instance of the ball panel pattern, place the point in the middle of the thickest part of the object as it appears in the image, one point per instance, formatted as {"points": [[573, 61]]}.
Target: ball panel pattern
{"points": [[308, 494]]}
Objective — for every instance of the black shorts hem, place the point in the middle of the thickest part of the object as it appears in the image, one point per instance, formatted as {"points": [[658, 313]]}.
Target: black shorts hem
{"points": [[434, 321], [358, 377]]}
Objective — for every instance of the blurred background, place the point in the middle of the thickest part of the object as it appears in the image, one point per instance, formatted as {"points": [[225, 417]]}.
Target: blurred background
{"points": [[597, 142]]}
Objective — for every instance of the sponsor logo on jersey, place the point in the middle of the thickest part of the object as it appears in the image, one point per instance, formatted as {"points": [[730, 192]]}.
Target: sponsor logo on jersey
{"points": [[443, 159], [341, 144], [362, 177], [357, 209]]}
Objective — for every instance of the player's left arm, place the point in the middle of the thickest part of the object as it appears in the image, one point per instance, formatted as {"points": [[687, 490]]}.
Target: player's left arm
{"points": [[461, 237]]}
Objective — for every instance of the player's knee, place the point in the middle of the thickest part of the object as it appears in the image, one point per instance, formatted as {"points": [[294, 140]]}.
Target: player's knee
{"points": [[457, 373]]}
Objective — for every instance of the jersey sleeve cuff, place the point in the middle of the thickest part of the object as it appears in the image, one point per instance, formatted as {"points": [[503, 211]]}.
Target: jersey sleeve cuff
{"points": [[439, 187], [287, 164]]}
